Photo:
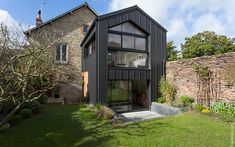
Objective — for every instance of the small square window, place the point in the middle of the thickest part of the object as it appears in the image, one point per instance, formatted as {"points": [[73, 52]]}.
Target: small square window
{"points": [[85, 28]]}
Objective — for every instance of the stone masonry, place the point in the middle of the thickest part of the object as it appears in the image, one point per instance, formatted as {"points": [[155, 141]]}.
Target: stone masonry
{"points": [[68, 29], [182, 74]]}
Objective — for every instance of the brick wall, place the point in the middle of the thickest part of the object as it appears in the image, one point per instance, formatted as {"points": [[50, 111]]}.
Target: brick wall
{"points": [[182, 74]]}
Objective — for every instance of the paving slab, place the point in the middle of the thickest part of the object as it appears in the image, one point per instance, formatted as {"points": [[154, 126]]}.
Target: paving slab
{"points": [[139, 116]]}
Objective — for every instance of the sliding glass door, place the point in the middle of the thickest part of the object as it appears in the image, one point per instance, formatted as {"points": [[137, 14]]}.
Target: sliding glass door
{"points": [[119, 92]]}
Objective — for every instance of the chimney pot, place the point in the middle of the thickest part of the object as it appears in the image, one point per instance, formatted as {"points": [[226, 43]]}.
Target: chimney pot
{"points": [[39, 19]]}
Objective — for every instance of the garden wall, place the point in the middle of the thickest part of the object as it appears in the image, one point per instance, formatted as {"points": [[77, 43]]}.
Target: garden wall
{"points": [[222, 84]]}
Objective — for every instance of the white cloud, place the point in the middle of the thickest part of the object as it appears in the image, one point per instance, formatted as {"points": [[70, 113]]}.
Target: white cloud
{"points": [[13, 26], [186, 17], [208, 22], [177, 31], [6, 19], [157, 8]]}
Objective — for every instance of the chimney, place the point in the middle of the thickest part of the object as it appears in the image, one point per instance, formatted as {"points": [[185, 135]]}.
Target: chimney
{"points": [[38, 19]]}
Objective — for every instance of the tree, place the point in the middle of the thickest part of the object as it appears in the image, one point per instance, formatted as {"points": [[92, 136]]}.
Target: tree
{"points": [[207, 43], [171, 51], [27, 69]]}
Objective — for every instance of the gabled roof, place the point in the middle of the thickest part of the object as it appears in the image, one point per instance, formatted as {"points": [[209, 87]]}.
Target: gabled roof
{"points": [[62, 15], [116, 13], [128, 9]]}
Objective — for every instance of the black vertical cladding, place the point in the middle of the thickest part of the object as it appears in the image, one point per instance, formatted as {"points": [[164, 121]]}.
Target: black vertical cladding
{"points": [[156, 48], [154, 57], [102, 45]]}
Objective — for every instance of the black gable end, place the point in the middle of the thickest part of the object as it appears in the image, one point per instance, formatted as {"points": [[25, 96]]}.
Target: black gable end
{"points": [[134, 14]]}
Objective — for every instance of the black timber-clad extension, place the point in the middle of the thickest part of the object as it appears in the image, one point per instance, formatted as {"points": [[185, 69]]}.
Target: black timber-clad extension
{"points": [[124, 53]]}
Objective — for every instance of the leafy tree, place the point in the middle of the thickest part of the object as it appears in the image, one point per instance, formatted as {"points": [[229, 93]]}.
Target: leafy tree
{"points": [[171, 51], [207, 43]]}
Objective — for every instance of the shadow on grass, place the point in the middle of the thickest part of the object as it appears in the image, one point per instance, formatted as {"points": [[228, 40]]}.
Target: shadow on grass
{"points": [[57, 126], [73, 125]]}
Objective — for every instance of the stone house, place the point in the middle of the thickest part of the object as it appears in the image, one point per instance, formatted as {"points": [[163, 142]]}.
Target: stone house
{"points": [[67, 31]]}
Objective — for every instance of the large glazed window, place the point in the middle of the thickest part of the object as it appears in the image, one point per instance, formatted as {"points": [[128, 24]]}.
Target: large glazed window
{"points": [[127, 59], [127, 47], [127, 28], [119, 91]]}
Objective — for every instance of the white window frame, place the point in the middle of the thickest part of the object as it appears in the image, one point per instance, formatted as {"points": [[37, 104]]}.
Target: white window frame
{"points": [[61, 61]]}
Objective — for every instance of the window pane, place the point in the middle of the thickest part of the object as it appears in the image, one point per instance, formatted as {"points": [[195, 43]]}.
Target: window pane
{"points": [[140, 43], [93, 46], [114, 40], [64, 52], [90, 49], [128, 42], [128, 27], [139, 32], [127, 59], [85, 28], [116, 28], [112, 59], [58, 53], [118, 91]]}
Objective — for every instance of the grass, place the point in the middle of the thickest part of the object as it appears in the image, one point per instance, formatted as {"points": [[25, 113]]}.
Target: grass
{"points": [[65, 126]]}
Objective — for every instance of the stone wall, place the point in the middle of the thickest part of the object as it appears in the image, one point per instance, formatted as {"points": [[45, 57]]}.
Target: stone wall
{"points": [[67, 29], [182, 74]]}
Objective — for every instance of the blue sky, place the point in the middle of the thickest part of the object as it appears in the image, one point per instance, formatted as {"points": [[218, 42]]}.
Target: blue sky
{"points": [[24, 11], [182, 18]]}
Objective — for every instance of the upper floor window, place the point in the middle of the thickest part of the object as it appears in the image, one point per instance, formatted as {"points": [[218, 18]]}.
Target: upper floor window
{"points": [[127, 36], [61, 53], [128, 28], [127, 47], [85, 28], [90, 48]]}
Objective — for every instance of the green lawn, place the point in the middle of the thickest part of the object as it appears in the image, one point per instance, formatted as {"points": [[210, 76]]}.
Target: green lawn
{"points": [[65, 126]]}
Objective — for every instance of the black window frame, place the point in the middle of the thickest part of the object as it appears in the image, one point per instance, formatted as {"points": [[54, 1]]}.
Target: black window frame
{"points": [[91, 43], [85, 28], [112, 103], [145, 36]]}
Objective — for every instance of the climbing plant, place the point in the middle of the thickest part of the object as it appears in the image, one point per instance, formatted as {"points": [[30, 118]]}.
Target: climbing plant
{"points": [[203, 84]]}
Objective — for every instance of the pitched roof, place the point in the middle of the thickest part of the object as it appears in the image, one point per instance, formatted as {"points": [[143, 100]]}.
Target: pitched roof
{"points": [[62, 15], [128, 9], [116, 13]]}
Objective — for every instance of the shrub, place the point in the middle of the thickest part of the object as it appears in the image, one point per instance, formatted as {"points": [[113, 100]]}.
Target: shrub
{"points": [[161, 100], [199, 108], [35, 106], [186, 100], [224, 110], [105, 113], [26, 113], [205, 111], [167, 90], [14, 120], [95, 107], [4, 127]]}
